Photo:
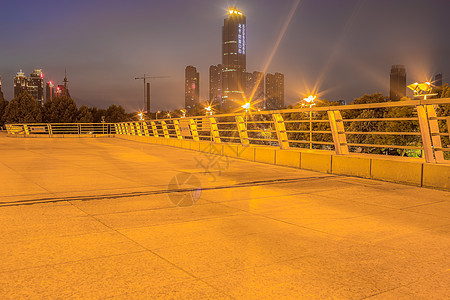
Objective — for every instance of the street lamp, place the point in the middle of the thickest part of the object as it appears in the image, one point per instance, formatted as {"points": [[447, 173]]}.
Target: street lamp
{"points": [[157, 114], [183, 112], [208, 110], [141, 116], [310, 100]]}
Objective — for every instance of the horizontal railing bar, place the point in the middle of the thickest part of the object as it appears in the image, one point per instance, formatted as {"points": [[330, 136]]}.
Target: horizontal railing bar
{"points": [[383, 133]]}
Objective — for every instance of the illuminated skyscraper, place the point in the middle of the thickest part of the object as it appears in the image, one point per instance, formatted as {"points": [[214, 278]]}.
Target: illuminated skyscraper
{"points": [[398, 82], [437, 80], [50, 91], [274, 91], [191, 88], [20, 83], [1, 93], [215, 86], [35, 85], [233, 58], [254, 90]]}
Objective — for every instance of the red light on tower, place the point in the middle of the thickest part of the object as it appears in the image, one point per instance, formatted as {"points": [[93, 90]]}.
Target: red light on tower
{"points": [[42, 75]]}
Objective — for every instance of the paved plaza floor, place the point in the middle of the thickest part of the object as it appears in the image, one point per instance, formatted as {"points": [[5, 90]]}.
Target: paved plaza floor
{"points": [[111, 218]]}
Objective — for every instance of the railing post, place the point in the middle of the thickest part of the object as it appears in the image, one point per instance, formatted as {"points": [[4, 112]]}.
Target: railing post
{"points": [[242, 129], [25, 128], [154, 129], [435, 134], [138, 128], [79, 129], [338, 132], [165, 129], [280, 128], [176, 124], [146, 133], [133, 129], [425, 133], [215, 130], [50, 131], [194, 130]]}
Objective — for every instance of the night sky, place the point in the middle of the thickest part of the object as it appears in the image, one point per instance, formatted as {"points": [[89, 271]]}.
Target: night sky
{"points": [[343, 47]]}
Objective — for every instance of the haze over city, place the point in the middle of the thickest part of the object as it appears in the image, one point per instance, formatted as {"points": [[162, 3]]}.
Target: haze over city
{"points": [[345, 49]]}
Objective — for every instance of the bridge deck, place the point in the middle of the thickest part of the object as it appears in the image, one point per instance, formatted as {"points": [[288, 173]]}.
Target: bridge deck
{"points": [[95, 218]]}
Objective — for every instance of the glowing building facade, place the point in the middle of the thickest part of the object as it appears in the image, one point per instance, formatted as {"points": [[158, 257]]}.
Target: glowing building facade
{"points": [[397, 82], [233, 59], [36, 85], [191, 88], [254, 90], [215, 86], [274, 91]]}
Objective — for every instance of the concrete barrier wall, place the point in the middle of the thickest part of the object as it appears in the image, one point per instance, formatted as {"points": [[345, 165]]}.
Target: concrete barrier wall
{"points": [[411, 171]]}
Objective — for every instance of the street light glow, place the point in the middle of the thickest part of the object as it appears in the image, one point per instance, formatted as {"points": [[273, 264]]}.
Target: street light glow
{"points": [[310, 99]]}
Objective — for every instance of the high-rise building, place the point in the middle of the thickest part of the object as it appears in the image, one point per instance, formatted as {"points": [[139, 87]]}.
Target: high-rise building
{"points": [[49, 91], [62, 89], [1, 92], [35, 85], [398, 82], [233, 58], [254, 89], [191, 88], [215, 86], [437, 80], [20, 83], [274, 91]]}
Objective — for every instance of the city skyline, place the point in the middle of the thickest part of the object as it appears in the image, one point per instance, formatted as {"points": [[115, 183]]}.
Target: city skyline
{"points": [[342, 48]]}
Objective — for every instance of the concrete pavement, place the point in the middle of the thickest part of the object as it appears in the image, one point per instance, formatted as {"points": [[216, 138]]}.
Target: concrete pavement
{"points": [[110, 218]]}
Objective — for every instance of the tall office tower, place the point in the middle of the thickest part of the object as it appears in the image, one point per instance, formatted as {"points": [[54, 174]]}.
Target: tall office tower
{"points": [[191, 88], [20, 83], [215, 86], [233, 59], [63, 90], [274, 91], [49, 91], [36, 85], [254, 89], [437, 80], [1, 92], [398, 82]]}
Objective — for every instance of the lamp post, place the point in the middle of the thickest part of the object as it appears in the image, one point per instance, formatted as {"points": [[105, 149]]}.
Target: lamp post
{"points": [[157, 114], [208, 110], [246, 106], [310, 100]]}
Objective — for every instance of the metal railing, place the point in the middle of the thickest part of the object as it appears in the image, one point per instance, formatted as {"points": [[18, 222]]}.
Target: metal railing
{"points": [[58, 129], [417, 128]]}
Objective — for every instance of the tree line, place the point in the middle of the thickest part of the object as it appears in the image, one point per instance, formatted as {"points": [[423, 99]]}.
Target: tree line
{"points": [[62, 109]]}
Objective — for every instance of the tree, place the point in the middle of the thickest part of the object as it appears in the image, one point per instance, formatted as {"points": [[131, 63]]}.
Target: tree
{"points": [[97, 114], [84, 115], [23, 109], [61, 110], [115, 114], [3, 104]]}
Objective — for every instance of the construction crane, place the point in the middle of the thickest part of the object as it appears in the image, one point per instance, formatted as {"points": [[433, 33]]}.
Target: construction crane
{"points": [[147, 84]]}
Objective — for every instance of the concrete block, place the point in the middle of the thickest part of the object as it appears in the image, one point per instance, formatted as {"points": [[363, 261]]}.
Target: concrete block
{"points": [[205, 147], [350, 165], [216, 149], [246, 152], [320, 162], [289, 158], [396, 170], [265, 155], [436, 176], [177, 143], [230, 150], [186, 144], [195, 145]]}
